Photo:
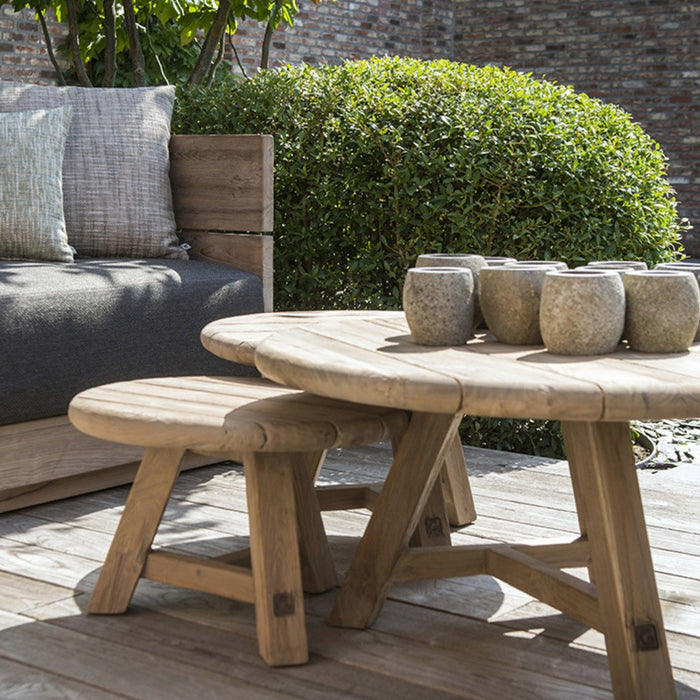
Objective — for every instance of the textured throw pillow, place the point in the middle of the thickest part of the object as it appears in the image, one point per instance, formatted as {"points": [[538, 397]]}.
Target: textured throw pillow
{"points": [[116, 186], [31, 197]]}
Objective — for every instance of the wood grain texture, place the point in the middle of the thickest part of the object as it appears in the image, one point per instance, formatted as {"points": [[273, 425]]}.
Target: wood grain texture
{"points": [[601, 455], [222, 182], [279, 595], [437, 639], [48, 459], [379, 361], [227, 414], [236, 339], [137, 528]]}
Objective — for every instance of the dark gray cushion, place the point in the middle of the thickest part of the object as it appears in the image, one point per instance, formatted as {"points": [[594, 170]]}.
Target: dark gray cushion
{"points": [[66, 327]]}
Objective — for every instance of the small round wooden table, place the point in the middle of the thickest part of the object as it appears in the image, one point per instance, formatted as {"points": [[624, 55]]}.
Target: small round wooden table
{"points": [[375, 361]]}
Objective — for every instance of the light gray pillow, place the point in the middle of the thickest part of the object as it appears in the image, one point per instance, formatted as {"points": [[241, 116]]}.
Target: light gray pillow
{"points": [[116, 186], [32, 225]]}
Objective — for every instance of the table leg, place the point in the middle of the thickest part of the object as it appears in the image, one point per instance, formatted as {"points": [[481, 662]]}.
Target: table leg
{"points": [[455, 483], [416, 465], [603, 467]]}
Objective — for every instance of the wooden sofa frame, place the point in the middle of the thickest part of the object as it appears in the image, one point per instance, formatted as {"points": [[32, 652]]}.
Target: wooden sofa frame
{"points": [[220, 183]]}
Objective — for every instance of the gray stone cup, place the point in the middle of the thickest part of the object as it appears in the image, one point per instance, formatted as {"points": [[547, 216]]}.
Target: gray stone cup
{"points": [[663, 310], [619, 264], [685, 267], [475, 263], [510, 301], [439, 304], [498, 260], [582, 312], [556, 264]]}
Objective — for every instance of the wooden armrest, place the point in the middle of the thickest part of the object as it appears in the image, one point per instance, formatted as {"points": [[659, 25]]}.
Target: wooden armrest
{"points": [[221, 184]]}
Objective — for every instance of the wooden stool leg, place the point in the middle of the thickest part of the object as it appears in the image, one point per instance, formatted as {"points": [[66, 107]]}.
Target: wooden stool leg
{"points": [[274, 553], [601, 455], [455, 482], [318, 570], [137, 528]]}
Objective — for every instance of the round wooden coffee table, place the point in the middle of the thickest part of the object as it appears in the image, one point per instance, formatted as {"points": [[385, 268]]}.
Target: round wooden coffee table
{"points": [[375, 361]]}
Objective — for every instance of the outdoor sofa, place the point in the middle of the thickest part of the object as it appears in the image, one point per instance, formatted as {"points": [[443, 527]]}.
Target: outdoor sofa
{"points": [[132, 301]]}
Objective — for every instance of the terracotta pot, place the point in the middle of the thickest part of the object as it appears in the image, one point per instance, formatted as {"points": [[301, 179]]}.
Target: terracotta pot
{"points": [[582, 312], [663, 310], [439, 304]]}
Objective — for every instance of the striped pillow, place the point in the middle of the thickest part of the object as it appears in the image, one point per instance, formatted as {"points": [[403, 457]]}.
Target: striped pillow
{"points": [[32, 224], [116, 185]]}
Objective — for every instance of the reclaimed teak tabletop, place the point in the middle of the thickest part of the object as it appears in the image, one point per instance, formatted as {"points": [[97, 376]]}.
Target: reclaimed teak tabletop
{"points": [[374, 360]]}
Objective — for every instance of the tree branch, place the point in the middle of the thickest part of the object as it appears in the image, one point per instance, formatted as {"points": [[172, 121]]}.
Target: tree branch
{"points": [[138, 62], [217, 61], [110, 55], [49, 48], [211, 43], [238, 58], [267, 38], [72, 12]]}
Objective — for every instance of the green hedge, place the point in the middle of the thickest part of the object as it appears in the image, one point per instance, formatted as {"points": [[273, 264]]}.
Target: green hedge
{"points": [[378, 161]]}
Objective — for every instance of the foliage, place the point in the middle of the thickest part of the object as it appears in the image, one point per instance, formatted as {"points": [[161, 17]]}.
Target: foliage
{"points": [[531, 437], [168, 34], [378, 161]]}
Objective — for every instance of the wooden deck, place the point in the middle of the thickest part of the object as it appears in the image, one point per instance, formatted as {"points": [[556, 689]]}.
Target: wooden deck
{"points": [[458, 638]]}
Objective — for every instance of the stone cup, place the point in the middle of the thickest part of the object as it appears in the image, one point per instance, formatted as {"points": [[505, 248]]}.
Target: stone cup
{"points": [[622, 270], [475, 263], [498, 260], [663, 310], [439, 304], [619, 264], [510, 301], [582, 312], [556, 264], [685, 267]]}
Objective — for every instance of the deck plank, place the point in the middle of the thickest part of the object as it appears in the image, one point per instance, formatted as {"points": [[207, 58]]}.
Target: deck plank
{"points": [[463, 637]]}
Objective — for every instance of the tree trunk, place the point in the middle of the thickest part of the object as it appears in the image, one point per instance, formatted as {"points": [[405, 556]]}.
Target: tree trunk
{"points": [[110, 45], [138, 62], [211, 44], [72, 12], [267, 38], [49, 48]]}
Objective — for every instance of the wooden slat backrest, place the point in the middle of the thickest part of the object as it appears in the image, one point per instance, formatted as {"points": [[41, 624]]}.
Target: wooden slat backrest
{"points": [[222, 182]]}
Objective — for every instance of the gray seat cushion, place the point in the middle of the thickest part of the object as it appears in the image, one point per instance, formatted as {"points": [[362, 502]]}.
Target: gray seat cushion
{"points": [[66, 327]]}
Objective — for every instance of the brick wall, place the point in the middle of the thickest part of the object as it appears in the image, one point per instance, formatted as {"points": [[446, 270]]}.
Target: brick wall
{"points": [[22, 53], [334, 31], [640, 54]]}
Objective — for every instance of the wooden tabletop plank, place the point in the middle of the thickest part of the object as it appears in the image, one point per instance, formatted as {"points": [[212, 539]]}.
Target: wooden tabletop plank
{"points": [[235, 338], [325, 362], [376, 361]]}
